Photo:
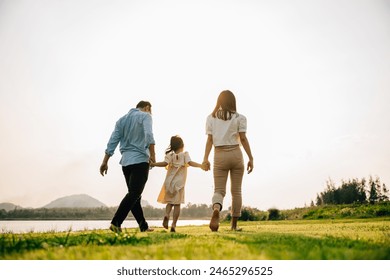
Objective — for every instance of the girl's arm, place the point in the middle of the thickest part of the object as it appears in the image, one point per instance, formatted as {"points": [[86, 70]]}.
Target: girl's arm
{"points": [[159, 164], [195, 164]]}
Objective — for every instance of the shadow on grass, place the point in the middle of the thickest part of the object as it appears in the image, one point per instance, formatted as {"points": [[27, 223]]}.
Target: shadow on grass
{"points": [[19, 243], [279, 246]]}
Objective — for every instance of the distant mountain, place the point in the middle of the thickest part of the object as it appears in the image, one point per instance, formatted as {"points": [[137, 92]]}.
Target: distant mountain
{"points": [[9, 206], [145, 203], [75, 201], [72, 201]]}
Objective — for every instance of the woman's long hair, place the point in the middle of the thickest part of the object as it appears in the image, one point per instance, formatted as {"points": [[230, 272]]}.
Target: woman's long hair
{"points": [[226, 106], [175, 144]]}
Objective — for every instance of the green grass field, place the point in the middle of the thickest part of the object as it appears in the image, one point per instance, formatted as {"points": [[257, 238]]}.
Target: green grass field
{"points": [[364, 239]]}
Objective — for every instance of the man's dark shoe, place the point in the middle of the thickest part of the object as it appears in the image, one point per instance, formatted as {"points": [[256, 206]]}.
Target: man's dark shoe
{"points": [[147, 230], [115, 229]]}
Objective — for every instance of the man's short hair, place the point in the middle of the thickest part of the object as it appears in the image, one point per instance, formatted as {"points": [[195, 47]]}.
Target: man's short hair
{"points": [[143, 104]]}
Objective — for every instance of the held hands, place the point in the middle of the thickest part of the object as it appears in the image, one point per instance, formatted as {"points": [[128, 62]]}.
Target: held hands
{"points": [[206, 165], [152, 160]]}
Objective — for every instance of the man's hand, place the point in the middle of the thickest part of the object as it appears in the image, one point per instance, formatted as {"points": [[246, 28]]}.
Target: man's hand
{"points": [[103, 168]]}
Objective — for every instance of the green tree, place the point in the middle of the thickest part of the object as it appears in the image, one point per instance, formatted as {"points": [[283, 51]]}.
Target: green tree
{"points": [[319, 201], [374, 192], [384, 194], [353, 191], [329, 195]]}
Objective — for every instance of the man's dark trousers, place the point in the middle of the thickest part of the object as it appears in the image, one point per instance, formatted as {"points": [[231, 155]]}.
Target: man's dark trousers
{"points": [[136, 176]]}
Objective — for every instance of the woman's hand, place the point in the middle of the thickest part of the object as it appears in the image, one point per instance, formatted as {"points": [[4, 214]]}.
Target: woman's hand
{"points": [[249, 167]]}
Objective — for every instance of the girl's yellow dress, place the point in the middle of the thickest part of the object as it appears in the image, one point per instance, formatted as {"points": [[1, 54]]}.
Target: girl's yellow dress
{"points": [[172, 191]]}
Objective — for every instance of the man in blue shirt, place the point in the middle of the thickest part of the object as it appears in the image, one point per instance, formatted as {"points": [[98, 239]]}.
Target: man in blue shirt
{"points": [[133, 132]]}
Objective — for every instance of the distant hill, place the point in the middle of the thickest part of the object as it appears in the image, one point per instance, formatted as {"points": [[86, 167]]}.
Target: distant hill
{"points": [[75, 201], [72, 201], [145, 203], [9, 206]]}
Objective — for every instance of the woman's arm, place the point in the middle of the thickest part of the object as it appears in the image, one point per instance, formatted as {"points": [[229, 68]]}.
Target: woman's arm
{"points": [[207, 150], [247, 148]]}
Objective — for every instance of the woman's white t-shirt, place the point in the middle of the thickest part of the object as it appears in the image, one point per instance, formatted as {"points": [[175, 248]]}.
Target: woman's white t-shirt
{"points": [[226, 132]]}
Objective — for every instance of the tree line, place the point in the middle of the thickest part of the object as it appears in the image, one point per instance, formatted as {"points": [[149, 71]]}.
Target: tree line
{"points": [[190, 211], [353, 191]]}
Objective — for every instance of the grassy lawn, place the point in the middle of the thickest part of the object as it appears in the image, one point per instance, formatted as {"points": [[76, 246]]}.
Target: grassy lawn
{"points": [[364, 239]]}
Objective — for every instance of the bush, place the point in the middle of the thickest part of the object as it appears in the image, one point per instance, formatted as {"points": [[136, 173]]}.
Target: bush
{"points": [[249, 214], [274, 214]]}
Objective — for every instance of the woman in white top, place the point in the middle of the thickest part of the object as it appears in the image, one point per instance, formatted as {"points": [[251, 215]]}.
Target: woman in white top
{"points": [[226, 130], [172, 192]]}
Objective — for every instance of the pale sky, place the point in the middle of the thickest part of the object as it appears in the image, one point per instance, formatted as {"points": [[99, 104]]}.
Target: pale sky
{"points": [[312, 78]]}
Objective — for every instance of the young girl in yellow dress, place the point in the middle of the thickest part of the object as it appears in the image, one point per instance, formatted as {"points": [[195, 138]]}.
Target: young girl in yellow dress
{"points": [[172, 192]]}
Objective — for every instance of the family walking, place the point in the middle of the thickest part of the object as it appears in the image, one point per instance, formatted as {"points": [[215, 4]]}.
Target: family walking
{"points": [[226, 132]]}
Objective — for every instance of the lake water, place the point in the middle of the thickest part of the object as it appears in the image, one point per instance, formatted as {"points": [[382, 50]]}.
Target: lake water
{"points": [[58, 226]]}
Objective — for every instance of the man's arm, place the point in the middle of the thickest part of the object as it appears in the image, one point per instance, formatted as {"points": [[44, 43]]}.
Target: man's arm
{"points": [[111, 146], [152, 153], [149, 138], [104, 165]]}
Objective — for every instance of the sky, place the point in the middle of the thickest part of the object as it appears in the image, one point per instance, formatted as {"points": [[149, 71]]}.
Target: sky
{"points": [[312, 78]]}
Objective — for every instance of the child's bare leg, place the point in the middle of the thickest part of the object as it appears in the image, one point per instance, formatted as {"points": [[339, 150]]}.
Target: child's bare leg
{"points": [[176, 214], [168, 209]]}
